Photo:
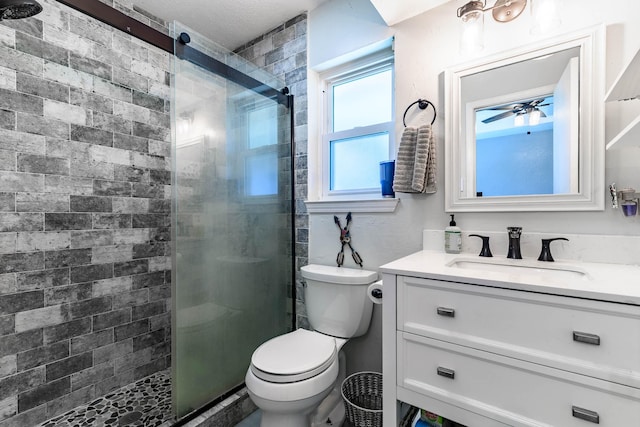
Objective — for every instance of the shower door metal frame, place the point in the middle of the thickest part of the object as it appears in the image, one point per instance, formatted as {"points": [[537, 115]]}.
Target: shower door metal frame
{"points": [[129, 25], [118, 20]]}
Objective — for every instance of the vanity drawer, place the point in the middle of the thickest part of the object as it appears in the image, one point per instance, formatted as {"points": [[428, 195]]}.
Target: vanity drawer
{"points": [[594, 338], [511, 391]]}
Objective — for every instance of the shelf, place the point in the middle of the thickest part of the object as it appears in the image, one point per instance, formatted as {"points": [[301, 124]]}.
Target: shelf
{"points": [[370, 206], [627, 85], [628, 137]]}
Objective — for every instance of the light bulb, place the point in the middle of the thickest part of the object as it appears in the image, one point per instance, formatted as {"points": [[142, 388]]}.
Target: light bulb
{"points": [[472, 16], [472, 32], [518, 120], [546, 15], [534, 117]]}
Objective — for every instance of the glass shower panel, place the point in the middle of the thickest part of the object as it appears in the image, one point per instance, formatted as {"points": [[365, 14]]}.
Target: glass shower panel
{"points": [[232, 227]]}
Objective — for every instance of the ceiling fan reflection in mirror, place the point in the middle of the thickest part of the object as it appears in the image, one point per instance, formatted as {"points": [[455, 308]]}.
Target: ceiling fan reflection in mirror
{"points": [[520, 109]]}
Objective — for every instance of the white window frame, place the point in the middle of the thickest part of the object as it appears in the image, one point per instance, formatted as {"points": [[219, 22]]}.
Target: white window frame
{"points": [[353, 70]]}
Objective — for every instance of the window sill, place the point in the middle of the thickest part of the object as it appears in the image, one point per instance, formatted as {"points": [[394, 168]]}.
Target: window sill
{"points": [[338, 206]]}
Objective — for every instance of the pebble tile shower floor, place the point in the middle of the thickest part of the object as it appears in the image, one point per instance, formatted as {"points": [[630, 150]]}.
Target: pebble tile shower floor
{"points": [[145, 403]]}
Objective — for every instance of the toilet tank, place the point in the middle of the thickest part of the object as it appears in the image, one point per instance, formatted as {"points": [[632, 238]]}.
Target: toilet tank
{"points": [[336, 299]]}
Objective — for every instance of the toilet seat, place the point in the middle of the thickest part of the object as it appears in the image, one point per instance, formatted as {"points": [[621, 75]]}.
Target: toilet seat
{"points": [[293, 357]]}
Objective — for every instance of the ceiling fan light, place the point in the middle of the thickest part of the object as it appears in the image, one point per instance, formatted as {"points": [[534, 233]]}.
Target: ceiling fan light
{"points": [[534, 117], [518, 120]]}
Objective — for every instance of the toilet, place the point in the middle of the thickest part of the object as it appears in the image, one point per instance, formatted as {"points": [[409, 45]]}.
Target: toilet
{"points": [[291, 375]]}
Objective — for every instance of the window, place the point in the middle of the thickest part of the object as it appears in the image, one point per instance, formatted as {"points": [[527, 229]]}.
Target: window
{"points": [[261, 158], [358, 130]]}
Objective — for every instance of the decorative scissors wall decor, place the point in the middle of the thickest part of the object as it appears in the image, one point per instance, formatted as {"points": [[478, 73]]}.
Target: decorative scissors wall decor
{"points": [[345, 239]]}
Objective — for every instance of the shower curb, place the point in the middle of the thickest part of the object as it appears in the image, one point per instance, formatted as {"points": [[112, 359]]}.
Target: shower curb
{"points": [[227, 413]]}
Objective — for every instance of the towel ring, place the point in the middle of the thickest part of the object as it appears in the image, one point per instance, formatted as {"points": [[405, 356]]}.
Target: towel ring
{"points": [[422, 104]]}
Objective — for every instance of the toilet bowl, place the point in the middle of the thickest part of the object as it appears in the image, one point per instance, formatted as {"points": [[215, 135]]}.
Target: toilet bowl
{"points": [[290, 375]]}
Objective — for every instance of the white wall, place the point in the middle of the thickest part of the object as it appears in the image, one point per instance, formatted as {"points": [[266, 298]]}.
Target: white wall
{"points": [[424, 47], [342, 27]]}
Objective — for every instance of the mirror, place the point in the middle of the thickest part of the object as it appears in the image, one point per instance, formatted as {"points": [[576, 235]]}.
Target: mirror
{"points": [[525, 129]]}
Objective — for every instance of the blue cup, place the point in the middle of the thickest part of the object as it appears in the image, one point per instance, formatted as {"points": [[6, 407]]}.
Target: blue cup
{"points": [[387, 169]]}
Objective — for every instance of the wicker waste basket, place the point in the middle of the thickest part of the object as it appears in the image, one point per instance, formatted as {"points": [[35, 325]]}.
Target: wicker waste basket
{"points": [[362, 395]]}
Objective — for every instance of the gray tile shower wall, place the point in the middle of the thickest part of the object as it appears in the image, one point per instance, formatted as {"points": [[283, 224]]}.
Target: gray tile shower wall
{"points": [[283, 52], [84, 211]]}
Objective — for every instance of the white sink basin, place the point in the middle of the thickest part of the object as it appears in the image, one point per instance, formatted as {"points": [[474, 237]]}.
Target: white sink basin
{"points": [[520, 267]]}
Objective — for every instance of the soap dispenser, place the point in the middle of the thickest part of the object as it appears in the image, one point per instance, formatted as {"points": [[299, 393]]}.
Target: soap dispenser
{"points": [[452, 238]]}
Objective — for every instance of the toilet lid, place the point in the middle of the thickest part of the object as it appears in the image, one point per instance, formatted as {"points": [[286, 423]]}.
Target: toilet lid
{"points": [[295, 356]]}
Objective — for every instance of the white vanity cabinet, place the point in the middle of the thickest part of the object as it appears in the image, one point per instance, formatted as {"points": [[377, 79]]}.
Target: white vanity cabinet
{"points": [[485, 351]]}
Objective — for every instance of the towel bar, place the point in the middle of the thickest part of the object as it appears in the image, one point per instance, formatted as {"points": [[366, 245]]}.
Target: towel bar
{"points": [[422, 104]]}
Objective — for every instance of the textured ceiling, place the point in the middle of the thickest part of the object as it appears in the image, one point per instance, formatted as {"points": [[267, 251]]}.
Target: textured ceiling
{"points": [[395, 11], [230, 23]]}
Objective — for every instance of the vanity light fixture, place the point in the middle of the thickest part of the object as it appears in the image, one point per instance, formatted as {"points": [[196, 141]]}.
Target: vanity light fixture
{"points": [[545, 14], [502, 10], [472, 15]]}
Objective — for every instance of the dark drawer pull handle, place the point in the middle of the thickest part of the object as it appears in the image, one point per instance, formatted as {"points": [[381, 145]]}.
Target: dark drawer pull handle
{"points": [[586, 338], [447, 373], [448, 312], [585, 414]]}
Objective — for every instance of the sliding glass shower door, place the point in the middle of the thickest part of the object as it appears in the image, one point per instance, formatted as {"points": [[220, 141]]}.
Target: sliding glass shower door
{"points": [[231, 224]]}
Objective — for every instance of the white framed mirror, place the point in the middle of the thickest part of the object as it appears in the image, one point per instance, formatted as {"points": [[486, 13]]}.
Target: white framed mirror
{"points": [[524, 130]]}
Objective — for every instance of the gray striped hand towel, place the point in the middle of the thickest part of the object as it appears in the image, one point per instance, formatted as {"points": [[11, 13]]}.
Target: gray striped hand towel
{"points": [[405, 161]]}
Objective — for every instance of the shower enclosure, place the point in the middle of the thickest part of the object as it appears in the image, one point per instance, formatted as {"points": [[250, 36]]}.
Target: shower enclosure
{"points": [[232, 224], [231, 235]]}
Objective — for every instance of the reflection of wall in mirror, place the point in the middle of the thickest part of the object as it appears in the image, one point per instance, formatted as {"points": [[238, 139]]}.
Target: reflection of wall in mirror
{"points": [[565, 130], [515, 164], [511, 158]]}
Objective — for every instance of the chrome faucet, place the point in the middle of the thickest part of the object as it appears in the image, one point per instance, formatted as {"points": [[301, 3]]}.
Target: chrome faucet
{"points": [[514, 242]]}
